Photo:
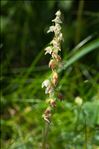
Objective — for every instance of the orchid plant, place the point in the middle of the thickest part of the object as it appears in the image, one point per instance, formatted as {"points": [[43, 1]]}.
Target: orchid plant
{"points": [[53, 49]]}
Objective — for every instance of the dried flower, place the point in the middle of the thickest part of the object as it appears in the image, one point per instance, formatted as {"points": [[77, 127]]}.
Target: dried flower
{"points": [[47, 115], [53, 103], [52, 64], [56, 56], [55, 78]]}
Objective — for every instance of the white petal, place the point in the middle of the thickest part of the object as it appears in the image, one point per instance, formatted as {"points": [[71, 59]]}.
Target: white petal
{"points": [[51, 29], [45, 83], [48, 50], [58, 13], [46, 91], [57, 20]]}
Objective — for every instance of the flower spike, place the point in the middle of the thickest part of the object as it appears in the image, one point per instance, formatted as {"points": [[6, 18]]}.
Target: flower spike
{"points": [[54, 63]]}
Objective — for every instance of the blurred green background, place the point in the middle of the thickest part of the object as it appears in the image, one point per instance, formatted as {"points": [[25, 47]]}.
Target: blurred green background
{"points": [[24, 67]]}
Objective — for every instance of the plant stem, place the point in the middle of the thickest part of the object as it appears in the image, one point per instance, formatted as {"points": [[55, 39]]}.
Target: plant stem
{"points": [[45, 135], [85, 131], [86, 139]]}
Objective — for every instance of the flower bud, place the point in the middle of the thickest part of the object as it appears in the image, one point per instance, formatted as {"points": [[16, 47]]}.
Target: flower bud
{"points": [[78, 101]]}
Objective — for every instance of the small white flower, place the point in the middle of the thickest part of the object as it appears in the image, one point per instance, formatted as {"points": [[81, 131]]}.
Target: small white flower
{"points": [[78, 101], [58, 13], [48, 50], [48, 85], [45, 83], [57, 30], [57, 20], [51, 29]]}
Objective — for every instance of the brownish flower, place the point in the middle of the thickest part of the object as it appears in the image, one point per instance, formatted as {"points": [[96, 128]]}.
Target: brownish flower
{"points": [[56, 56], [53, 103], [47, 115], [52, 64], [54, 78]]}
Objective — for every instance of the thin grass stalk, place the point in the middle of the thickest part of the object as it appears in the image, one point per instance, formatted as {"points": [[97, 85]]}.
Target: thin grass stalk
{"points": [[79, 21]]}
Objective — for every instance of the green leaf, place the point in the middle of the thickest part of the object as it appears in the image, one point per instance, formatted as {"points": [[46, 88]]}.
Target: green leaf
{"points": [[93, 45], [90, 113]]}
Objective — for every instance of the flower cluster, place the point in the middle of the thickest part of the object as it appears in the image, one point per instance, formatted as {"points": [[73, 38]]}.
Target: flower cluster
{"points": [[53, 49]]}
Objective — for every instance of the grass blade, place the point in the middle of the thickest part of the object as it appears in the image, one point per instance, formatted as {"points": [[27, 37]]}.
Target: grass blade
{"points": [[93, 45]]}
